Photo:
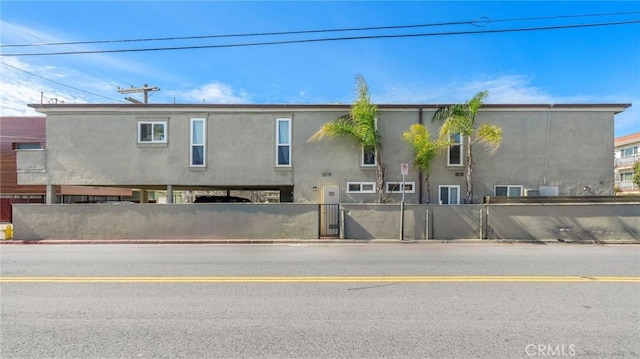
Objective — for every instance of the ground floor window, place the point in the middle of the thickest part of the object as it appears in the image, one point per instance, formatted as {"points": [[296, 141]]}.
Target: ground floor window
{"points": [[449, 194], [361, 187], [396, 187], [508, 190]]}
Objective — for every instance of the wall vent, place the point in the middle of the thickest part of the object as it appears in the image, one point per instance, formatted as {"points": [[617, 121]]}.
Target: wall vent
{"points": [[459, 174], [326, 174]]}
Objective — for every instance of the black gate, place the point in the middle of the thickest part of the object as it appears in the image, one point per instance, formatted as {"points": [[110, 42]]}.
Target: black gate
{"points": [[329, 220]]}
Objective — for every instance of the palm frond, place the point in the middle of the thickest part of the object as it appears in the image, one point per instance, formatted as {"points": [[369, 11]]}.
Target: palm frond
{"points": [[477, 101], [490, 136], [424, 149]]}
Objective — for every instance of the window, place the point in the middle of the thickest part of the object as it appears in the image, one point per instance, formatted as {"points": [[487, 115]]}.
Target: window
{"points": [[449, 194], [627, 152], [396, 187], [369, 155], [26, 146], [361, 187], [626, 176], [454, 155], [283, 142], [509, 191], [198, 141], [152, 132], [368, 158]]}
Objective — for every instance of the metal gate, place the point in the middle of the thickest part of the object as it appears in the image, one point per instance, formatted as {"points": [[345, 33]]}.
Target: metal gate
{"points": [[329, 220]]}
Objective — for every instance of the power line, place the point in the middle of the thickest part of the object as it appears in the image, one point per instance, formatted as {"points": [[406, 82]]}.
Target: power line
{"points": [[20, 28], [59, 83], [283, 42], [479, 22]]}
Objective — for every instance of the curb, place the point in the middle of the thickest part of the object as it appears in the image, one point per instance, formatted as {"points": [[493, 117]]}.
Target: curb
{"points": [[309, 241]]}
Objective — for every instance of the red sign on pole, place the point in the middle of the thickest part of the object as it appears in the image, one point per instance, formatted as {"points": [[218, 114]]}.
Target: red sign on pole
{"points": [[404, 169]]}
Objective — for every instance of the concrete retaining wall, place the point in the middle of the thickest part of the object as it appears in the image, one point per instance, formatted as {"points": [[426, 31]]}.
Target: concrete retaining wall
{"points": [[580, 222], [167, 221], [371, 221]]}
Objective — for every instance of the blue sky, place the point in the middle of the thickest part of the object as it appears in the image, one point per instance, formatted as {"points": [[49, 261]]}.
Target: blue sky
{"points": [[579, 65]]}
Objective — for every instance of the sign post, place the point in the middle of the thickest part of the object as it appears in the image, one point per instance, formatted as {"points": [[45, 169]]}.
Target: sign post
{"points": [[404, 171]]}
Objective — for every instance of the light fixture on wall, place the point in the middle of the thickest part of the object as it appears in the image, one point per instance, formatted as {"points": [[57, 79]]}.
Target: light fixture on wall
{"points": [[587, 188], [315, 189]]}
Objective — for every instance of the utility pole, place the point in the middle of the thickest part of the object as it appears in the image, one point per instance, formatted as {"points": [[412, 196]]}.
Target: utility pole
{"points": [[145, 89]]}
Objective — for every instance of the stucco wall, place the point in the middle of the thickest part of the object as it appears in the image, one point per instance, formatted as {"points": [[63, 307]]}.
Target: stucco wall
{"points": [[370, 221], [582, 222], [195, 221], [32, 166], [542, 145]]}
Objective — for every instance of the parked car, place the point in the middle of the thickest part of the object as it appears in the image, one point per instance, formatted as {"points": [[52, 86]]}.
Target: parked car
{"points": [[221, 199]]}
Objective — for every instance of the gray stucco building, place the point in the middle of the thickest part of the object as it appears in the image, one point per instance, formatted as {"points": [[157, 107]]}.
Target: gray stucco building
{"points": [[546, 149]]}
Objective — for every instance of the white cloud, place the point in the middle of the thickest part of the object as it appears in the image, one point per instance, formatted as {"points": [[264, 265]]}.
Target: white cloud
{"points": [[509, 89], [214, 93]]}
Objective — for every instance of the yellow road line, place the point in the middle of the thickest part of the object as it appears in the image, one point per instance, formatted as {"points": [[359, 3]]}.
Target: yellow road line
{"points": [[327, 279]]}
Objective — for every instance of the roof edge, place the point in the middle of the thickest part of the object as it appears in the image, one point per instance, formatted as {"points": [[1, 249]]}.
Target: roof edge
{"points": [[618, 107]]}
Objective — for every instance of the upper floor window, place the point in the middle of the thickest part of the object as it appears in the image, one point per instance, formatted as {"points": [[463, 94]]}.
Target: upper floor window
{"points": [[626, 176], [368, 158], [26, 146], [283, 142], [628, 152], [152, 132], [508, 190], [198, 142], [454, 155]]}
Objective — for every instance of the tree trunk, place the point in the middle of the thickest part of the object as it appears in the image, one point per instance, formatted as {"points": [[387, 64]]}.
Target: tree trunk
{"points": [[469, 197], [379, 177], [426, 183]]}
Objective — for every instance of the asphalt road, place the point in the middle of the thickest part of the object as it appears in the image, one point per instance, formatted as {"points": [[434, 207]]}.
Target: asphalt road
{"points": [[319, 301]]}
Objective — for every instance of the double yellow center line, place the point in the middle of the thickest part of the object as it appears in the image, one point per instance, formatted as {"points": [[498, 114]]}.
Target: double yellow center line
{"points": [[322, 279]]}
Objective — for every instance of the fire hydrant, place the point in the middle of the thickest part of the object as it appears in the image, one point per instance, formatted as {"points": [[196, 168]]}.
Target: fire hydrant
{"points": [[8, 232]]}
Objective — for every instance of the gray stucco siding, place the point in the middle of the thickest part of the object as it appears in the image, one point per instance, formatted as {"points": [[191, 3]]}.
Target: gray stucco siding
{"points": [[567, 147]]}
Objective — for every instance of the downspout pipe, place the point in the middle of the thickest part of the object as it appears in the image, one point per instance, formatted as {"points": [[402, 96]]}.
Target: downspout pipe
{"points": [[546, 147], [420, 201]]}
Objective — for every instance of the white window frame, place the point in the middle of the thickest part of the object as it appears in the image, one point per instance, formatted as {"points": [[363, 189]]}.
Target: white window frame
{"points": [[627, 152], [626, 176], [203, 144], [375, 153], [390, 189], [449, 194], [153, 123], [461, 145], [375, 160], [361, 185], [509, 187], [278, 144]]}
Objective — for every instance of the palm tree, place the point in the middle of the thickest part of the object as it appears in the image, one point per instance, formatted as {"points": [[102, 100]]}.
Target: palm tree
{"points": [[460, 119], [424, 150], [359, 127]]}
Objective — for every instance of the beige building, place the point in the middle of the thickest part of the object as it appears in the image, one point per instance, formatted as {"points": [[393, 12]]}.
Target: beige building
{"points": [[627, 153], [546, 150]]}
